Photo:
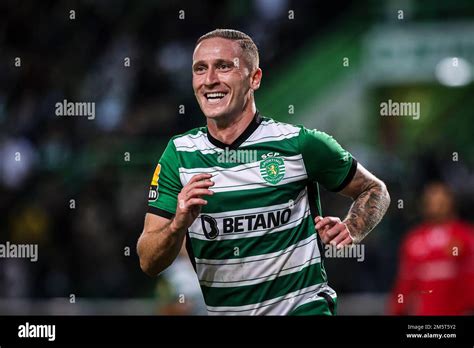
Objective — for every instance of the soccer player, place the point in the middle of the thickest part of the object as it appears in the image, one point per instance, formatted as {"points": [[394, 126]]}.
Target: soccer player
{"points": [[243, 191]]}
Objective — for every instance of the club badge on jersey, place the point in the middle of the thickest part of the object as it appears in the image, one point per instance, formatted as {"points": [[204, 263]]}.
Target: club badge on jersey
{"points": [[272, 168]]}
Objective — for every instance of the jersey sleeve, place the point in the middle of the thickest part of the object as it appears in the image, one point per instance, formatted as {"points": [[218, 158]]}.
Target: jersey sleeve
{"points": [[165, 184], [325, 160]]}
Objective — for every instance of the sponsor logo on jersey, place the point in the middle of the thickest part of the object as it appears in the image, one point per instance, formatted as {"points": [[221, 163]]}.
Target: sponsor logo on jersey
{"points": [[243, 223], [153, 193], [272, 169], [209, 226]]}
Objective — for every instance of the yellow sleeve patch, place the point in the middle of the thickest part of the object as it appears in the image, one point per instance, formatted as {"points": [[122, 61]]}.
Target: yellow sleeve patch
{"points": [[156, 175]]}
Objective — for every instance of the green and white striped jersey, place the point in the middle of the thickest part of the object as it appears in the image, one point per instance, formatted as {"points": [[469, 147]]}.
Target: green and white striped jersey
{"points": [[254, 246]]}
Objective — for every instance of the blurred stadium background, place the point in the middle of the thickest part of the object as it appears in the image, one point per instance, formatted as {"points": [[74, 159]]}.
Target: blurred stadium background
{"points": [[334, 63]]}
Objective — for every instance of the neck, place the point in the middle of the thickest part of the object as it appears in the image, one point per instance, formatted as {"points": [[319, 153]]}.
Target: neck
{"points": [[228, 129], [440, 220]]}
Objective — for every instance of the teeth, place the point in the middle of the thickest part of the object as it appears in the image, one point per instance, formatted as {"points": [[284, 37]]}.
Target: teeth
{"points": [[215, 95]]}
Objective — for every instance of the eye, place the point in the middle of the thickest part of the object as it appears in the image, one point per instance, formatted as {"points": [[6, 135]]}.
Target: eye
{"points": [[224, 66], [199, 69]]}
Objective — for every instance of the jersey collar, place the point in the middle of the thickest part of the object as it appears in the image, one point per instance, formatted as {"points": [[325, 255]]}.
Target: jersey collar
{"points": [[257, 119]]}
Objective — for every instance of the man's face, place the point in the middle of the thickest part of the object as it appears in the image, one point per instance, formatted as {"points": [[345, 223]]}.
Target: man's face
{"points": [[222, 80], [437, 202]]}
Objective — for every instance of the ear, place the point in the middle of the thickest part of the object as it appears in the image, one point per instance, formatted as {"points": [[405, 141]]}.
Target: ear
{"points": [[255, 79]]}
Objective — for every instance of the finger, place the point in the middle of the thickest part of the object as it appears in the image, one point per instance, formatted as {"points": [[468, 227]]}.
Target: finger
{"points": [[317, 219], [324, 237], [325, 228], [195, 202], [328, 220], [200, 184], [198, 193], [347, 241], [203, 183], [323, 222], [199, 177], [339, 238], [335, 230]]}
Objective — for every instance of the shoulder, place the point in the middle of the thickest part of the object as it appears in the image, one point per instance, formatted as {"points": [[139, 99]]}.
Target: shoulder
{"points": [[314, 135], [417, 234], [311, 141], [465, 226], [414, 242], [463, 229], [271, 124], [189, 138], [273, 130]]}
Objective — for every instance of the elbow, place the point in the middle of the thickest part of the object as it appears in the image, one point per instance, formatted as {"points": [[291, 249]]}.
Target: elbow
{"points": [[146, 263], [147, 268], [384, 193], [149, 271], [150, 268]]}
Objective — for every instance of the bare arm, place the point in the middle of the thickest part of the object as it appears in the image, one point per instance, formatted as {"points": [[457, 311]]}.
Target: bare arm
{"points": [[161, 239], [371, 201], [159, 244]]}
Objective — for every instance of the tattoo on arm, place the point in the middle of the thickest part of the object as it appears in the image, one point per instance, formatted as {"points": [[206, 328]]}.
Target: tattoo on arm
{"points": [[371, 201]]}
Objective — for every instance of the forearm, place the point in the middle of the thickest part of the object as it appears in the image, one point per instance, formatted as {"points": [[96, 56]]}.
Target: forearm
{"points": [[157, 249], [367, 210]]}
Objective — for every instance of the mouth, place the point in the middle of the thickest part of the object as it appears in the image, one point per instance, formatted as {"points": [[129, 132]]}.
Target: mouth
{"points": [[215, 97]]}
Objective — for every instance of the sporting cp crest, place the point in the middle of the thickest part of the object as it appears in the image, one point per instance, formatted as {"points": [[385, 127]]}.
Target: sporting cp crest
{"points": [[272, 170]]}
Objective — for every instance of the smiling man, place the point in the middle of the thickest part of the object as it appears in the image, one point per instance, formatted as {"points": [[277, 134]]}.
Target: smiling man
{"points": [[253, 229]]}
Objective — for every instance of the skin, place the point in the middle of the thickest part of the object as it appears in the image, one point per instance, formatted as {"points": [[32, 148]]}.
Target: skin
{"points": [[438, 203], [219, 65], [371, 201]]}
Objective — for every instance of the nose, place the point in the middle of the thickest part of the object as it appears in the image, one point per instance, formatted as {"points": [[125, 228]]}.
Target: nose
{"points": [[211, 77]]}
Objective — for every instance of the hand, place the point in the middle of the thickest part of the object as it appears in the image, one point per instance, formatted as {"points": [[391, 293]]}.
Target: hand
{"points": [[333, 231], [190, 201]]}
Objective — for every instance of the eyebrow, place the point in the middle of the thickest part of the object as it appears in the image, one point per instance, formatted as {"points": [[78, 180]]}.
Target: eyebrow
{"points": [[217, 61]]}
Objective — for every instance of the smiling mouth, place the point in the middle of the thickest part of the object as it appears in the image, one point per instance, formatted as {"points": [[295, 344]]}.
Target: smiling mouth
{"points": [[214, 97]]}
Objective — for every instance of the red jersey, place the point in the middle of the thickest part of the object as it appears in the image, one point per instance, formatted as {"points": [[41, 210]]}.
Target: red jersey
{"points": [[436, 275]]}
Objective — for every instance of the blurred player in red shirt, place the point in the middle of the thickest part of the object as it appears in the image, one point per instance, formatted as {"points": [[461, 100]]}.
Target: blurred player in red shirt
{"points": [[436, 271]]}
